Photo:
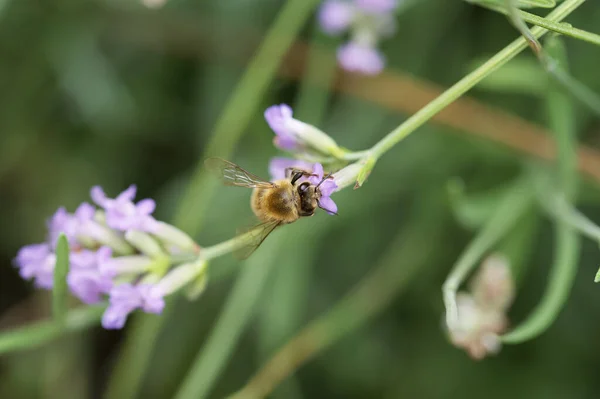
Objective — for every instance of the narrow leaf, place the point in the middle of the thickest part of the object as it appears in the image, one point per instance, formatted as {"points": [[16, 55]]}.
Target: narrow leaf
{"points": [[60, 290]]}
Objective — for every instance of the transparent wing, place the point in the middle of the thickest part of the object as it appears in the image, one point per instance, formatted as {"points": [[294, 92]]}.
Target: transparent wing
{"points": [[232, 175], [250, 239]]}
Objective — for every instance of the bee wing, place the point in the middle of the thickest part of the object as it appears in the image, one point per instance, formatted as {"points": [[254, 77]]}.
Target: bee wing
{"points": [[253, 237], [232, 175]]}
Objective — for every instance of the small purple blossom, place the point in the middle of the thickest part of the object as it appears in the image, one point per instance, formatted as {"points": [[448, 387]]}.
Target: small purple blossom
{"points": [[122, 213], [326, 188], [278, 117], [86, 279], [61, 222], [278, 166], [361, 58], [335, 16], [377, 6], [125, 298], [37, 262]]}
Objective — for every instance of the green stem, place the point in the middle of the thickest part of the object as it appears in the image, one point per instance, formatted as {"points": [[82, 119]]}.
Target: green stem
{"points": [[39, 333], [511, 208], [561, 119], [546, 23], [466, 83]]}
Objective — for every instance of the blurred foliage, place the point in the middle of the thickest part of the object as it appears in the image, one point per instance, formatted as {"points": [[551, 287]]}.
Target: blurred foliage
{"points": [[112, 93]]}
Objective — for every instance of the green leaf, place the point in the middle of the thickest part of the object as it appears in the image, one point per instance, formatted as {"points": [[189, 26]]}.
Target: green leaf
{"points": [[60, 290]]}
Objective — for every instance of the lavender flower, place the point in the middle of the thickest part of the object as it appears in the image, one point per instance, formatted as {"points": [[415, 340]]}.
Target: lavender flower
{"points": [[326, 188], [37, 262], [125, 298], [335, 16], [377, 6], [61, 222], [295, 135], [122, 214], [367, 21], [111, 248], [361, 58]]}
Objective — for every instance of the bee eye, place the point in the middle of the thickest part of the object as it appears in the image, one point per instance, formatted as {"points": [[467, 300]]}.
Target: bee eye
{"points": [[303, 187]]}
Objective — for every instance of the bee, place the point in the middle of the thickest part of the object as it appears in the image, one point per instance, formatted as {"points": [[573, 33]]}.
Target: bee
{"points": [[274, 203]]}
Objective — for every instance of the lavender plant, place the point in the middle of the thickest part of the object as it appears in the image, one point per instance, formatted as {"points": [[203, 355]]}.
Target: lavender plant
{"points": [[121, 259]]}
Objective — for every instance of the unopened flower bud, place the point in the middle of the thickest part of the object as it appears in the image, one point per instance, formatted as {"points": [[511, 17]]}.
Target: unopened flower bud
{"points": [[294, 135], [144, 243], [181, 276], [493, 286], [173, 236]]}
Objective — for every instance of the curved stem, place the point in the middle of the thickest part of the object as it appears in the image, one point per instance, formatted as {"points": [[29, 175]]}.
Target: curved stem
{"points": [[518, 199], [562, 274], [466, 83]]}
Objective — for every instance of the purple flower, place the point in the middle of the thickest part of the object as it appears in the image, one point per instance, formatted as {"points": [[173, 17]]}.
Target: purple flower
{"points": [[87, 280], [122, 214], [61, 222], [278, 117], [377, 6], [278, 165], [125, 298], [361, 58], [37, 261], [335, 16], [326, 188]]}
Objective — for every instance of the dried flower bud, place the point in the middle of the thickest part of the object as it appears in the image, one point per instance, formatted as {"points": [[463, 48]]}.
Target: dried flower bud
{"points": [[493, 286]]}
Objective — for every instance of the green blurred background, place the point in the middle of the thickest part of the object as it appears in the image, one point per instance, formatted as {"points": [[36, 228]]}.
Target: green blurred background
{"points": [[113, 93]]}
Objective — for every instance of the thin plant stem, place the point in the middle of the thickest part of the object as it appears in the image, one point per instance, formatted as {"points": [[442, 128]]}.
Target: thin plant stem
{"points": [[554, 68], [561, 120], [466, 83]]}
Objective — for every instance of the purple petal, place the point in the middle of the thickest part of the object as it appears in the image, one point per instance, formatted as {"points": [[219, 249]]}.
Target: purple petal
{"points": [[114, 317], [285, 143], [98, 196], [277, 117], [335, 16], [37, 261], [327, 188], [377, 6], [85, 212], [128, 194], [146, 206], [152, 299], [360, 58], [328, 205], [61, 222], [89, 285]]}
